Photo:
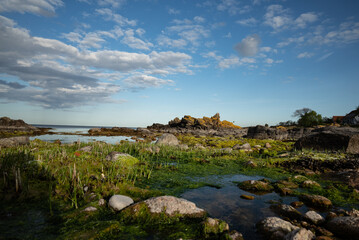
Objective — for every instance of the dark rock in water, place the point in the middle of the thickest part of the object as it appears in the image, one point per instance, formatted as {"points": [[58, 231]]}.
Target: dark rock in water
{"points": [[316, 201], [14, 141], [286, 211], [256, 186], [331, 138], [347, 227]]}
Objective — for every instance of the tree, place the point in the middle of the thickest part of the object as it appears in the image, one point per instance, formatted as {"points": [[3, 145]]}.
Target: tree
{"points": [[308, 117]]}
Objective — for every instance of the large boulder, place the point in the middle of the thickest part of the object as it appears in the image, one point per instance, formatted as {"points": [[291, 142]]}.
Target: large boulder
{"points": [[14, 141], [347, 227], [168, 139], [331, 138]]}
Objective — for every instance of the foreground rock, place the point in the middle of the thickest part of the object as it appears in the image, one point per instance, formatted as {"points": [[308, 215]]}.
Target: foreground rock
{"points": [[119, 202], [170, 206], [14, 141], [124, 158], [347, 227], [331, 138], [168, 139], [275, 228]]}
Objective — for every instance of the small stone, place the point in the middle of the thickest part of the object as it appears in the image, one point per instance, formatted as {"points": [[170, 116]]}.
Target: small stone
{"points": [[86, 188], [101, 202], [246, 146], [267, 145], [274, 225], [119, 202], [250, 163], [257, 146], [234, 235], [310, 184], [215, 226], [86, 149], [314, 217], [90, 209], [248, 197], [286, 211]]}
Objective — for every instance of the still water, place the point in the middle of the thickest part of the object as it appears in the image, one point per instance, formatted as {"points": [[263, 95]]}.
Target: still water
{"points": [[75, 130]]}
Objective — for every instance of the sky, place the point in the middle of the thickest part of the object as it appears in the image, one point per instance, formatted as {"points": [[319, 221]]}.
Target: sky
{"points": [[132, 63]]}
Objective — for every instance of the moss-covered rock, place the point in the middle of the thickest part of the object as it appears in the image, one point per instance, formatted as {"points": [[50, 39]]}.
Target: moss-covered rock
{"points": [[214, 226], [316, 201]]}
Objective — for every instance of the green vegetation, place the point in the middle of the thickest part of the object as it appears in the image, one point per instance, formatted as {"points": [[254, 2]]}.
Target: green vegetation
{"points": [[308, 117], [60, 181]]}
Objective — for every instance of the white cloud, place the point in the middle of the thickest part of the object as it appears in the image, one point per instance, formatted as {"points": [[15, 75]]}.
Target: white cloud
{"points": [[112, 3], [173, 11], [247, 22], [289, 41], [228, 62], [277, 17], [233, 7], [38, 7], [231, 61], [110, 16], [57, 75], [305, 18], [166, 41], [305, 55], [325, 56], [249, 46], [133, 42], [141, 81]]}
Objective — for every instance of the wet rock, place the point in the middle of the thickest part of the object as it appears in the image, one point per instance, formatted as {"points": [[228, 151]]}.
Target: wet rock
{"points": [[172, 205], [316, 201], [256, 186], [331, 138], [86, 149], [353, 213], [168, 139], [284, 191], [214, 226], [274, 225], [119, 202], [300, 234], [90, 209], [286, 211], [310, 184], [125, 159], [347, 226], [248, 197], [323, 232], [14, 141], [324, 238], [234, 235], [297, 204], [314, 217]]}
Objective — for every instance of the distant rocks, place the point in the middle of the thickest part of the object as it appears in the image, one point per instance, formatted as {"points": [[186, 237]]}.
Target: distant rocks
{"points": [[11, 127], [331, 138], [277, 133]]}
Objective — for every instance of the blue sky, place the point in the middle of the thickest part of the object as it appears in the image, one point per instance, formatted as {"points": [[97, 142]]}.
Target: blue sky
{"points": [[133, 63]]}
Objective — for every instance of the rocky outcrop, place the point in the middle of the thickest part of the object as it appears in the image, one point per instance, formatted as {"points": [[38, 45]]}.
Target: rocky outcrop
{"points": [[14, 141], [352, 118], [9, 126], [121, 131], [277, 133], [331, 138]]}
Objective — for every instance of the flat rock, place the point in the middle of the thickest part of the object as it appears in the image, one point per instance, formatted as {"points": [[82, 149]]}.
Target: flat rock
{"points": [[256, 185], [172, 205], [119, 202], [90, 209], [168, 139], [347, 227]]}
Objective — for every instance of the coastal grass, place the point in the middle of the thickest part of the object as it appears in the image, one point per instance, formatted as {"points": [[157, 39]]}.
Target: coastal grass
{"points": [[65, 179]]}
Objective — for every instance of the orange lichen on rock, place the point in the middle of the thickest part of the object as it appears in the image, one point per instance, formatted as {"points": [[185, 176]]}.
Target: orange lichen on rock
{"points": [[202, 123]]}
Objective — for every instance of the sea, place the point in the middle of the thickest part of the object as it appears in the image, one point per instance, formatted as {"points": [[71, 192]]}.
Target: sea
{"points": [[75, 136]]}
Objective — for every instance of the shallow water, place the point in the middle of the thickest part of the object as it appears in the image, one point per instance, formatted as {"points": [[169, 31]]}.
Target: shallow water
{"points": [[241, 214]]}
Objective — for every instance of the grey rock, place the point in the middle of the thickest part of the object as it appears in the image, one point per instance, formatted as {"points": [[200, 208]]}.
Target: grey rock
{"points": [[352, 118], [300, 234], [101, 202], [14, 141], [246, 146], [119, 202], [113, 156], [168, 139], [172, 205], [347, 227], [86, 149], [314, 217], [267, 145], [275, 225]]}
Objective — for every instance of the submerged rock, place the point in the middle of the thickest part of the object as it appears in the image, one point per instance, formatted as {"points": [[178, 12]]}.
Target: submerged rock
{"points": [[255, 185], [119, 202], [286, 211], [168, 139]]}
